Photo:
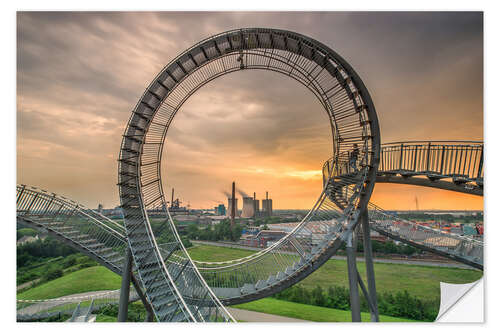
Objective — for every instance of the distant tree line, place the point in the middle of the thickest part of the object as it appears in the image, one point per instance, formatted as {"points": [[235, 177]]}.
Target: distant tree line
{"points": [[219, 232], [29, 253], [399, 304], [441, 217], [387, 248]]}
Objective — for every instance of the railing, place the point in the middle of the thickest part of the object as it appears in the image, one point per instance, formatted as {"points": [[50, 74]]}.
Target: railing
{"points": [[99, 236], [344, 165], [89, 311], [76, 313], [68, 305], [462, 248], [461, 160]]}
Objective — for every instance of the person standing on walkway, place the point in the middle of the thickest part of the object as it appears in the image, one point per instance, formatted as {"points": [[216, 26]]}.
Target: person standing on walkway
{"points": [[353, 157]]}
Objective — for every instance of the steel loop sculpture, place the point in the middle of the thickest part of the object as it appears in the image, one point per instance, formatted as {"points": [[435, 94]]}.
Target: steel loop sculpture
{"points": [[353, 122], [174, 287]]}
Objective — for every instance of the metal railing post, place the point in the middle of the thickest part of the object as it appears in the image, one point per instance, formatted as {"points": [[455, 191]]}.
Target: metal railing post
{"points": [[415, 158], [401, 158], [442, 159], [382, 157], [480, 169], [428, 157]]}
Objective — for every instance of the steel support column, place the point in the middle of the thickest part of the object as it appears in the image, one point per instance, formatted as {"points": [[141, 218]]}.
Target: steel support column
{"points": [[149, 309], [125, 288], [370, 272], [353, 280]]}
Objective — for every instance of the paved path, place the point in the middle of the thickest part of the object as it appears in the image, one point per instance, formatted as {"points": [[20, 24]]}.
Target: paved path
{"points": [[238, 314], [73, 300], [252, 316], [380, 260], [26, 284]]}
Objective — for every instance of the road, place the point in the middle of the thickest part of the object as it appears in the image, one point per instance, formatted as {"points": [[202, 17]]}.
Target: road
{"points": [[361, 259]]}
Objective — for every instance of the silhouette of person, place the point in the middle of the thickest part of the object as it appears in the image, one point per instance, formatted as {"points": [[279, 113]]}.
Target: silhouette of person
{"points": [[353, 158]]}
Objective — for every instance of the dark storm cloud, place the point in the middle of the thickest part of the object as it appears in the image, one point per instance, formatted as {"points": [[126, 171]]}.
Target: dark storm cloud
{"points": [[80, 74]]}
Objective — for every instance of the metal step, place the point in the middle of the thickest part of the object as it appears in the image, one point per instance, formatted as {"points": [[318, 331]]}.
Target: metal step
{"points": [[248, 288], [163, 300], [166, 311]]}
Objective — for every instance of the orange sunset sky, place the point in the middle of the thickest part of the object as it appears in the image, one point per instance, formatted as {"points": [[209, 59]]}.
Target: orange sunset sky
{"points": [[79, 75]]}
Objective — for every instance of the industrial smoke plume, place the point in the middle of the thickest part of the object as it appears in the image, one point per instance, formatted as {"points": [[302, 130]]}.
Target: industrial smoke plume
{"points": [[227, 194], [243, 194]]}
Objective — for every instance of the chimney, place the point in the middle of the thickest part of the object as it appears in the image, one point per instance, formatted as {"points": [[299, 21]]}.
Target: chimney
{"points": [[172, 201], [233, 208], [267, 196]]}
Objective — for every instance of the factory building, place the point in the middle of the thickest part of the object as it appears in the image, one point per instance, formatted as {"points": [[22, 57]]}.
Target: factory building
{"points": [[248, 209], [267, 206], [221, 210]]}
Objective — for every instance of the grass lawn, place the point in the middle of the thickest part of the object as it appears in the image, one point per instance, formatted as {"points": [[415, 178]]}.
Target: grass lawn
{"points": [[308, 312], [88, 279], [204, 252], [420, 281]]}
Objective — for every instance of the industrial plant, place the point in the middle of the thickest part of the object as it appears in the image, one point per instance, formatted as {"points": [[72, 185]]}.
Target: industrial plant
{"points": [[251, 206]]}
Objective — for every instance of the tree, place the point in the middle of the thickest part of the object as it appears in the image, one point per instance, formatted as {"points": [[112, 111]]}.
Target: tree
{"points": [[52, 274]]}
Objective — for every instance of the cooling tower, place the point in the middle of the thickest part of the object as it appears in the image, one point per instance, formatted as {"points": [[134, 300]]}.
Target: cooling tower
{"points": [[256, 206], [248, 207], [267, 206], [230, 205]]}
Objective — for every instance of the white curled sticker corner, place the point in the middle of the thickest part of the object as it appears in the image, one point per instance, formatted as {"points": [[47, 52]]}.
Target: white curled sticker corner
{"points": [[461, 303]]}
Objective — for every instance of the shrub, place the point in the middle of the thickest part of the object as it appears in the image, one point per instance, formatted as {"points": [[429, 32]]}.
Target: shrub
{"points": [[401, 304], [52, 274], [71, 261]]}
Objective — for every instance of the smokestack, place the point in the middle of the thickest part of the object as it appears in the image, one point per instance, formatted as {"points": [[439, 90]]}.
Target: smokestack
{"points": [[172, 201], [267, 196], [233, 208]]}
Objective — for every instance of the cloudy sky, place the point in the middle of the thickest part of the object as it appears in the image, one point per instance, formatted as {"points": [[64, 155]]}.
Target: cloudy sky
{"points": [[79, 75]]}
